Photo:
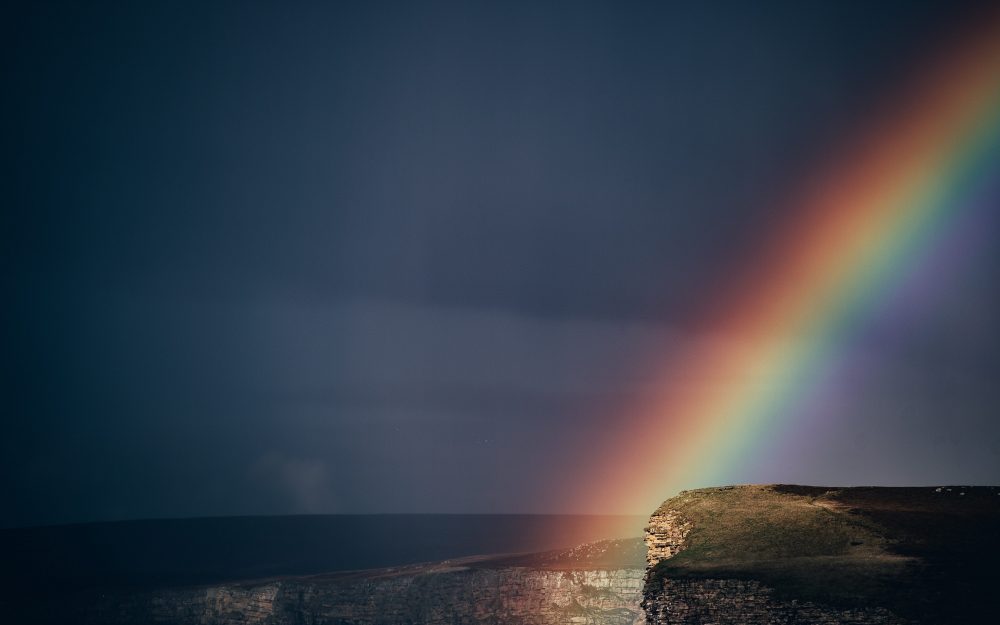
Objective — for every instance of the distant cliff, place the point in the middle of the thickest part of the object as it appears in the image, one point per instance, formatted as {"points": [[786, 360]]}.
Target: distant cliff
{"points": [[797, 555], [597, 584], [442, 596]]}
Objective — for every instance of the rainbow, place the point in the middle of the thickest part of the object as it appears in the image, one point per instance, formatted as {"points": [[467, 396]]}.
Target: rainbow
{"points": [[869, 226]]}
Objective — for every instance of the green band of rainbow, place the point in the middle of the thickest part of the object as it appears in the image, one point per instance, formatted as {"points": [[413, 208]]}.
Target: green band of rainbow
{"points": [[854, 238]]}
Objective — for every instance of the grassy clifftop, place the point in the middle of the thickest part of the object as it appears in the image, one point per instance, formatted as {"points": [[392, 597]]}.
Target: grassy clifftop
{"points": [[924, 553]]}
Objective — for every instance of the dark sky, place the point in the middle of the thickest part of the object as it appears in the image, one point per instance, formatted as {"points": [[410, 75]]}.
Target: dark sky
{"points": [[412, 257]]}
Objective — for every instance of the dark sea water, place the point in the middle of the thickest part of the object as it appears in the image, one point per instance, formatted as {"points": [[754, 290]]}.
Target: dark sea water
{"points": [[198, 551]]}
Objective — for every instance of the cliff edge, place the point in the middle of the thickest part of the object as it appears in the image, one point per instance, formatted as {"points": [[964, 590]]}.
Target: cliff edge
{"points": [[801, 554]]}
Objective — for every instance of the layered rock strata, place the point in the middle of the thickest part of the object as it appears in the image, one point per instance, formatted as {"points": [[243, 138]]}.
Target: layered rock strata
{"points": [[665, 534]]}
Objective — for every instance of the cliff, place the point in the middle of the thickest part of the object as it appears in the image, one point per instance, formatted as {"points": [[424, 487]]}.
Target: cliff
{"points": [[794, 554], [458, 594], [596, 584]]}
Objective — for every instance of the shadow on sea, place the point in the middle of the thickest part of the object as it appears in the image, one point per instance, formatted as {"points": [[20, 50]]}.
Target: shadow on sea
{"points": [[177, 552]]}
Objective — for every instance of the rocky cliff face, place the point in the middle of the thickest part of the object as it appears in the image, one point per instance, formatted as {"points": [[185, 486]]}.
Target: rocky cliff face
{"points": [[665, 534]]}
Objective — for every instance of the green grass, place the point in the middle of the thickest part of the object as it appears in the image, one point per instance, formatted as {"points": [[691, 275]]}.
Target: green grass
{"points": [[750, 523]]}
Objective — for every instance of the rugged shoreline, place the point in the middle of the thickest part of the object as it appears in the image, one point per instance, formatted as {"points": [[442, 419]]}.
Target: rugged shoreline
{"points": [[735, 555]]}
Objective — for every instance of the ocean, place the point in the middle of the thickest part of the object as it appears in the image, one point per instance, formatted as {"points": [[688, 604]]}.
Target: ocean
{"points": [[178, 552]]}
